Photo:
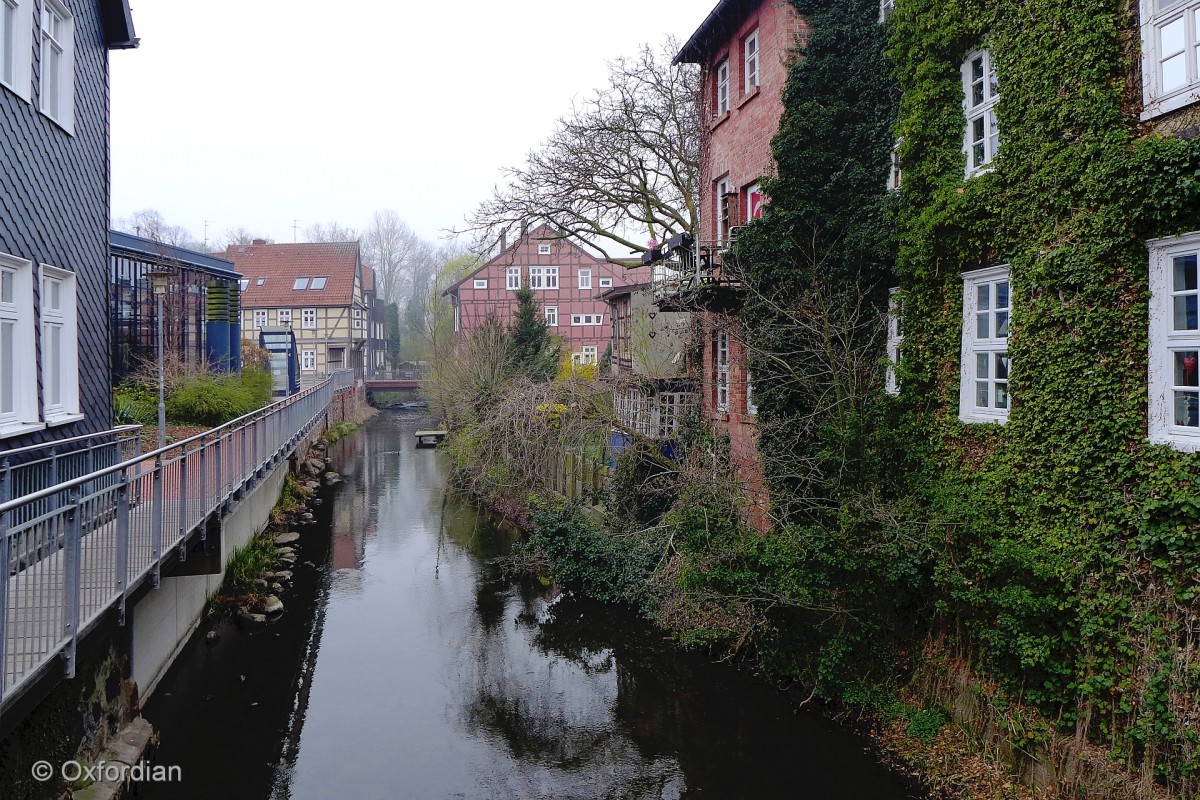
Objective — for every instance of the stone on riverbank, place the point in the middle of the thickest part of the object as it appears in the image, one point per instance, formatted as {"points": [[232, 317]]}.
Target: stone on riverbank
{"points": [[272, 605], [287, 538]]}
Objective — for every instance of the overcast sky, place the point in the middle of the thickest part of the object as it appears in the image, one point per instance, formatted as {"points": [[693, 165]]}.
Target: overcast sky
{"points": [[255, 113]]}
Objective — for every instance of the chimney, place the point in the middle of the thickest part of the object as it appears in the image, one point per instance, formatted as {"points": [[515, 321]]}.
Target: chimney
{"points": [[259, 241], [503, 240]]}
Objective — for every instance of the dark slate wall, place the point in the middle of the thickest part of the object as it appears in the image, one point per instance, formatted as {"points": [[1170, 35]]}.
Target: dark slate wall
{"points": [[54, 207]]}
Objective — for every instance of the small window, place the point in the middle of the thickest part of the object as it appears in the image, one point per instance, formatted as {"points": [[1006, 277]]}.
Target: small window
{"points": [[512, 277], [587, 319], [723, 87], [750, 64], [260, 281], [308, 318], [721, 361], [551, 316], [284, 315], [585, 279], [16, 46], [980, 92], [987, 309], [895, 338], [300, 284], [260, 319], [480, 283], [543, 249], [58, 64], [606, 283], [317, 284], [308, 360]]}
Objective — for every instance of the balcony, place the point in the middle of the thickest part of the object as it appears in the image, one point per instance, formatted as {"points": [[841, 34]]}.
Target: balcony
{"points": [[656, 413], [691, 275]]}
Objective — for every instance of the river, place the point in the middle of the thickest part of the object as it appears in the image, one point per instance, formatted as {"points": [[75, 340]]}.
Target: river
{"points": [[404, 667]]}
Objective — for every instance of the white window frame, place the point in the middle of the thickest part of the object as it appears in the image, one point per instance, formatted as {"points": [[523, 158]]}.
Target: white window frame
{"points": [[243, 284], [895, 340], [64, 322], [992, 346], [260, 318], [543, 249], [542, 278], [751, 59], [58, 101], [512, 278], [886, 7], [981, 137], [308, 360], [895, 170], [606, 283], [722, 79], [308, 318], [18, 311], [1166, 341], [1156, 17], [587, 319], [588, 354], [16, 47], [751, 406], [284, 315], [721, 371], [585, 279], [479, 283], [724, 214], [457, 318], [551, 313]]}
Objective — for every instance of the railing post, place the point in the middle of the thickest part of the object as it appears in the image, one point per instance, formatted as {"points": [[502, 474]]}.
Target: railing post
{"points": [[220, 483], [183, 506], [72, 565], [157, 520], [203, 488], [122, 542], [5, 548]]}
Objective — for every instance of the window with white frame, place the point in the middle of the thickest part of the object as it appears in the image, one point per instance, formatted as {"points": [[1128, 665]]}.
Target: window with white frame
{"points": [[724, 210], [895, 173], [1170, 54], [987, 308], [18, 375], [543, 249], [1174, 363], [58, 64], [60, 346], [585, 279], [588, 354], [587, 319], [606, 283], [751, 406], [284, 315], [750, 61], [980, 92], [886, 7], [480, 283], [16, 45], [723, 87], [543, 277], [308, 360], [243, 283], [308, 318], [260, 318], [512, 278], [721, 372], [551, 316], [895, 338]]}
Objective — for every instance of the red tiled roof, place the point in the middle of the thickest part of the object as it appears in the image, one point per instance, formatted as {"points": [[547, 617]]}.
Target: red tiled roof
{"points": [[279, 265], [368, 274]]}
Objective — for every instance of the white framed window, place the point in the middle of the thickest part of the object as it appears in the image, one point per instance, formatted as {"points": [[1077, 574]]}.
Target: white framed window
{"points": [[751, 406], [457, 318], [721, 373], [308, 318], [284, 315], [308, 360], [480, 283], [606, 283], [58, 64], [60, 346], [980, 92], [512, 277], [750, 61], [724, 210], [18, 372], [1170, 55], [587, 319], [588, 354], [551, 316], [895, 338], [723, 87], [260, 318], [585, 279], [300, 284], [1174, 358], [543, 277], [243, 284], [543, 249], [886, 7], [987, 309], [895, 173], [16, 46]]}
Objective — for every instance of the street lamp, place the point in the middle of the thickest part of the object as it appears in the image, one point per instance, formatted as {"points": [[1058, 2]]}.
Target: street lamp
{"points": [[160, 276]]}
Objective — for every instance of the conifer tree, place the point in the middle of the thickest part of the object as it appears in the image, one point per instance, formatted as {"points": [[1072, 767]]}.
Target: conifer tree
{"points": [[535, 353]]}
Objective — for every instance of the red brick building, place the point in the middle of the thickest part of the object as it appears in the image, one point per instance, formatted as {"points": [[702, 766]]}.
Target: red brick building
{"points": [[566, 279], [743, 48]]}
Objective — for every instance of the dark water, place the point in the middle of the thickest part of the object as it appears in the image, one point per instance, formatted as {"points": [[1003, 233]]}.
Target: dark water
{"points": [[405, 668]]}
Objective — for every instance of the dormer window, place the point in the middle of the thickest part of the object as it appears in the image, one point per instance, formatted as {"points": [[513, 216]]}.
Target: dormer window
{"points": [[723, 87], [1170, 49]]}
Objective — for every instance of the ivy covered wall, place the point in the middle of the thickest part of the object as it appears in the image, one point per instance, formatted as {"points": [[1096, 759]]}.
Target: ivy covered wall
{"points": [[1060, 550]]}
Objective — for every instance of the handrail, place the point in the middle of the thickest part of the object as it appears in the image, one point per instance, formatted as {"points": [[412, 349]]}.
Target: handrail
{"points": [[117, 431]]}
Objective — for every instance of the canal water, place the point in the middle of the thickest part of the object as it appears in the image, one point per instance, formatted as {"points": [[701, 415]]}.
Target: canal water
{"points": [[405, 667]]}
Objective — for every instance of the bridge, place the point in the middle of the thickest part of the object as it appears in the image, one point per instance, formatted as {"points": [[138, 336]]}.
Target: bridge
{"points": [[393, 384], [75, 552]]}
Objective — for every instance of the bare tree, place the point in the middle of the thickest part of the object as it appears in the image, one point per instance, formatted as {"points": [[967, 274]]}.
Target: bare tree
{"points": [[393, 248], [242, 236], [620, 170], [151, 224], [332, 231]]}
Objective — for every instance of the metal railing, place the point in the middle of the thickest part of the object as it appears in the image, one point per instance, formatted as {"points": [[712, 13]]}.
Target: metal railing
{"points": [[73, 550]]}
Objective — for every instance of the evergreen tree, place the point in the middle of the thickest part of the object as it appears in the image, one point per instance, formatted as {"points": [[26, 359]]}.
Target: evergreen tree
{"points": [[535, 353]]}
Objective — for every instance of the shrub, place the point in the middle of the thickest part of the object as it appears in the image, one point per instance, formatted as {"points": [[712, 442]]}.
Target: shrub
{"points": [[209, 399]]}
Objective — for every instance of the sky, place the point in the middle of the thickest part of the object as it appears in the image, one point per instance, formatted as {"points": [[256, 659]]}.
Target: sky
{"points": [[265, 114]]}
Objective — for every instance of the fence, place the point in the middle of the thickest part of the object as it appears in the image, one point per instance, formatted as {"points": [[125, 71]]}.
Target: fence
{"points": [[73, 550]]}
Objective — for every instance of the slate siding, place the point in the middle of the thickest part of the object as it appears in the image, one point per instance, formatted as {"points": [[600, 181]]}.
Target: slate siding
{"points": [[54, 208]]}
